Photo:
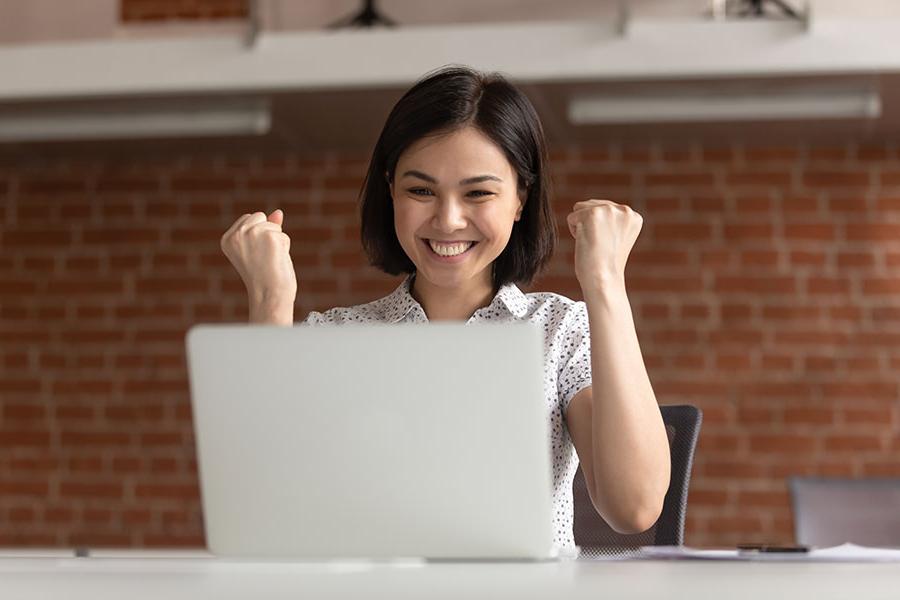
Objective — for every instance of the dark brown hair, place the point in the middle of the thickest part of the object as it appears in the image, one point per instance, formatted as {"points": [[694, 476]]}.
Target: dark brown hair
{"points": [[443, 101]]}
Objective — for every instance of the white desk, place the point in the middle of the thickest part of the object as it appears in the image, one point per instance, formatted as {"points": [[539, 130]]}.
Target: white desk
{"points": [[199, 578]]}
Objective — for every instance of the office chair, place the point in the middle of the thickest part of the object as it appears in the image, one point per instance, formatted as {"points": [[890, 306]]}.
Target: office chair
{"points": [[597, 538], [829, 511]]}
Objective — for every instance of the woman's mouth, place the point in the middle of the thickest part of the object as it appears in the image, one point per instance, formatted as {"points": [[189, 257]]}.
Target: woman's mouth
{"points": [[450, 248]]}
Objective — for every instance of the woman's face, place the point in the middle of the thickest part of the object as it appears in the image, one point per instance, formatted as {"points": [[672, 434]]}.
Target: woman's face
{"points": [[455, 200]]}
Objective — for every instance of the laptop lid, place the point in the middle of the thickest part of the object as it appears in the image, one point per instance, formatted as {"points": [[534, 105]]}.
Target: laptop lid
{"points": [[372, 441]]}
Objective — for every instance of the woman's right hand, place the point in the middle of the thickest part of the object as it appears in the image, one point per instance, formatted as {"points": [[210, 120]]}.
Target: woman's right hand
{"points": [[260, 252]]}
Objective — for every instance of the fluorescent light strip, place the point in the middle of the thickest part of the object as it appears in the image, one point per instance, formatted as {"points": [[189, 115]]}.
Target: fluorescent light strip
{"points": [[654, 108], [242, 118]]}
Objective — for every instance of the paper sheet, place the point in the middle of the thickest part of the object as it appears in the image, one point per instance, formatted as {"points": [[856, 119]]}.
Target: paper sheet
{"points": [[842, 553]]}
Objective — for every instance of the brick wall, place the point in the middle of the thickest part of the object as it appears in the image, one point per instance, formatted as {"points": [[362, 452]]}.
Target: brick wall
{"points": [[132, 11], [765, 286]]}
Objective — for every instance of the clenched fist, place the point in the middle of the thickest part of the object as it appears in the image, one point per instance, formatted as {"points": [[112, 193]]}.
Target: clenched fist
{"points": [[260, 252], [604, 233]]}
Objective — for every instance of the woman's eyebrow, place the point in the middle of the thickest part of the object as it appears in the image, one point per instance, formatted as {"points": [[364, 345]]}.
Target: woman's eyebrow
{"points": [[467, 181], [480, 179]]}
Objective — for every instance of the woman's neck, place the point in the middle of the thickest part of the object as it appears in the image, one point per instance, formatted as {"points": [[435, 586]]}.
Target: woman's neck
{"points": [[451, 304]]}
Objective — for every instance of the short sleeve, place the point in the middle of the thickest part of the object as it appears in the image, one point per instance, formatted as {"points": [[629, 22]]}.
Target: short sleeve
{"points": [[575, 354], [317, 318]]}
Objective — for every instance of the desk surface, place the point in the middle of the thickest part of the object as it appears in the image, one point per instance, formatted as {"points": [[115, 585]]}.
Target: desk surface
{"points": [[198, 578]]}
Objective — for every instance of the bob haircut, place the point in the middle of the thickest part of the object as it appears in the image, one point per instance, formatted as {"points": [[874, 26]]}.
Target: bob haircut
{"points": [[444, 101]]}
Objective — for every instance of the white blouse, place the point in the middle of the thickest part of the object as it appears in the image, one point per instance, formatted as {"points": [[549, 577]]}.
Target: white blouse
{"points": [[567, 364]]}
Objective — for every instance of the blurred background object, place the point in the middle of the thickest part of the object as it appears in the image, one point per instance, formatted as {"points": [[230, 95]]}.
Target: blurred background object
{"points": [[762, 150], [829, 511]]}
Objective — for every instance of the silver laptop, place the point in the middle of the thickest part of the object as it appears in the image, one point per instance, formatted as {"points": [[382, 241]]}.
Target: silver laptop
{"points": [[376, 441]]}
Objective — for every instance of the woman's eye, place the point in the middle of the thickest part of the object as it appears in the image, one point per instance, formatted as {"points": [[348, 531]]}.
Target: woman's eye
{"points": [[480, 193], [420, 191]]}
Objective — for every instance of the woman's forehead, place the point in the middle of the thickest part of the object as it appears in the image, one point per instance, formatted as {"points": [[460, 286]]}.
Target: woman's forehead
{"points": [[461, 152]]}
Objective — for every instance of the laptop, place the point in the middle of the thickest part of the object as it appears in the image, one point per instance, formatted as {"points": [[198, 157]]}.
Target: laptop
{"points": [[372, 441]]}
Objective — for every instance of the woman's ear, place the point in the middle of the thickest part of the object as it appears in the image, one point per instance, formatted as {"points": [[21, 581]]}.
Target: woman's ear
{"points": [[521, 207]]}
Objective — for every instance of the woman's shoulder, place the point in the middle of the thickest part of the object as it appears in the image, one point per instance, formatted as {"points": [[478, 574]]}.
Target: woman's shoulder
{"points": [[370, 312], [553, 304]]}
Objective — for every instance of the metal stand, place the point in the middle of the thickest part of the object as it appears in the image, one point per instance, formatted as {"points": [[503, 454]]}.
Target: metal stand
{"points": [[367, 18]]}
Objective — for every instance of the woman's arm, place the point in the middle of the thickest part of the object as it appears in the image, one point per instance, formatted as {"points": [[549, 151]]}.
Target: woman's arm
{"points": [[271, 311], [616, 425]]}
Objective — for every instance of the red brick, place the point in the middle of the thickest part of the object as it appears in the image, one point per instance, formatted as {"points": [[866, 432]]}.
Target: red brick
{"points": [[82, 489], [778, 179], [599, 179], [808, 416], [26, 237], [714, 204], [820, 338], [782, 444], [881, 285], [881, 469], [833, 178], [38, 489], [763, 499], [120, 235], [745, 232], [712, 259], [20, 412], [809, 231], [755, 285], [680, 178], [851, 443], [203, 183], [867, 416], [828, 285], [698, 497], [12, 438], [88, 439], [736, 525], [862, 232], [760, 258], [50, 184], [871, 390], [807, 258], [168, 491]]}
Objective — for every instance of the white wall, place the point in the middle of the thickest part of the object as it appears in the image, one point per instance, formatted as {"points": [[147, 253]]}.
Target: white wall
{"points": [[54, 20], [67, 20]]}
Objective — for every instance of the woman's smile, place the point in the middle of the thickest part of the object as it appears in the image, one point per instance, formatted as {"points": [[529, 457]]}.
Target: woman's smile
{"points": [[449, 252]]}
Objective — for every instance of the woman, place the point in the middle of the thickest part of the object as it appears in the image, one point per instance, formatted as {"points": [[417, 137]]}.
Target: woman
{"points": [[457, 197]]}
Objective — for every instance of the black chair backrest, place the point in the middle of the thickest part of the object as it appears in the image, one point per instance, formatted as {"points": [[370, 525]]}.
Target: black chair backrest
{"points": [[596, 537]]}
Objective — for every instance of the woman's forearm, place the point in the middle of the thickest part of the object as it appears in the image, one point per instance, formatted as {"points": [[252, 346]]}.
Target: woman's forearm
{"points": [[271, 311], [630, 450]]}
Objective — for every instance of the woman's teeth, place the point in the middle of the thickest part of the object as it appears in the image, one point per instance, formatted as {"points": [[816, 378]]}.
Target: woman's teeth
{"points": [[450, 249]]}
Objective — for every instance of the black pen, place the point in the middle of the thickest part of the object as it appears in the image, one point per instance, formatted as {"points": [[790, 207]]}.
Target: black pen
{"points": [[772, 549]]}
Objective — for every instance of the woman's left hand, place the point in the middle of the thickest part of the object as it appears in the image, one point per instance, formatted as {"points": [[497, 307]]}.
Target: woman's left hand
{"points": [[604, 234]]}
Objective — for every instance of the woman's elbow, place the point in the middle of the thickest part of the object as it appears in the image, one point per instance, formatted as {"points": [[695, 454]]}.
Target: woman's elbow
{"points": [[636, 516], [642, 519]]}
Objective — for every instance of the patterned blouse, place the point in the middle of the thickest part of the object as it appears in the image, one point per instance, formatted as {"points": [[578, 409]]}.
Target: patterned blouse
{"points": [[567, 365]]}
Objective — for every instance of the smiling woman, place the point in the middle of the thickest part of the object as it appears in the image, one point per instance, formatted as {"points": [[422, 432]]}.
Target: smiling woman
{"points": [[456, 196], [450, 226]]}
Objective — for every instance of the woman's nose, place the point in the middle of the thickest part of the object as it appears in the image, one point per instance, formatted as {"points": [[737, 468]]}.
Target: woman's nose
{"points": [[450, 215]]}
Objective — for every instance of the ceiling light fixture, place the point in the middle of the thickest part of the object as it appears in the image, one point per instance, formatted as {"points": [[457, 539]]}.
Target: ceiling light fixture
{"points": [[169, 120], [699, 106]]}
